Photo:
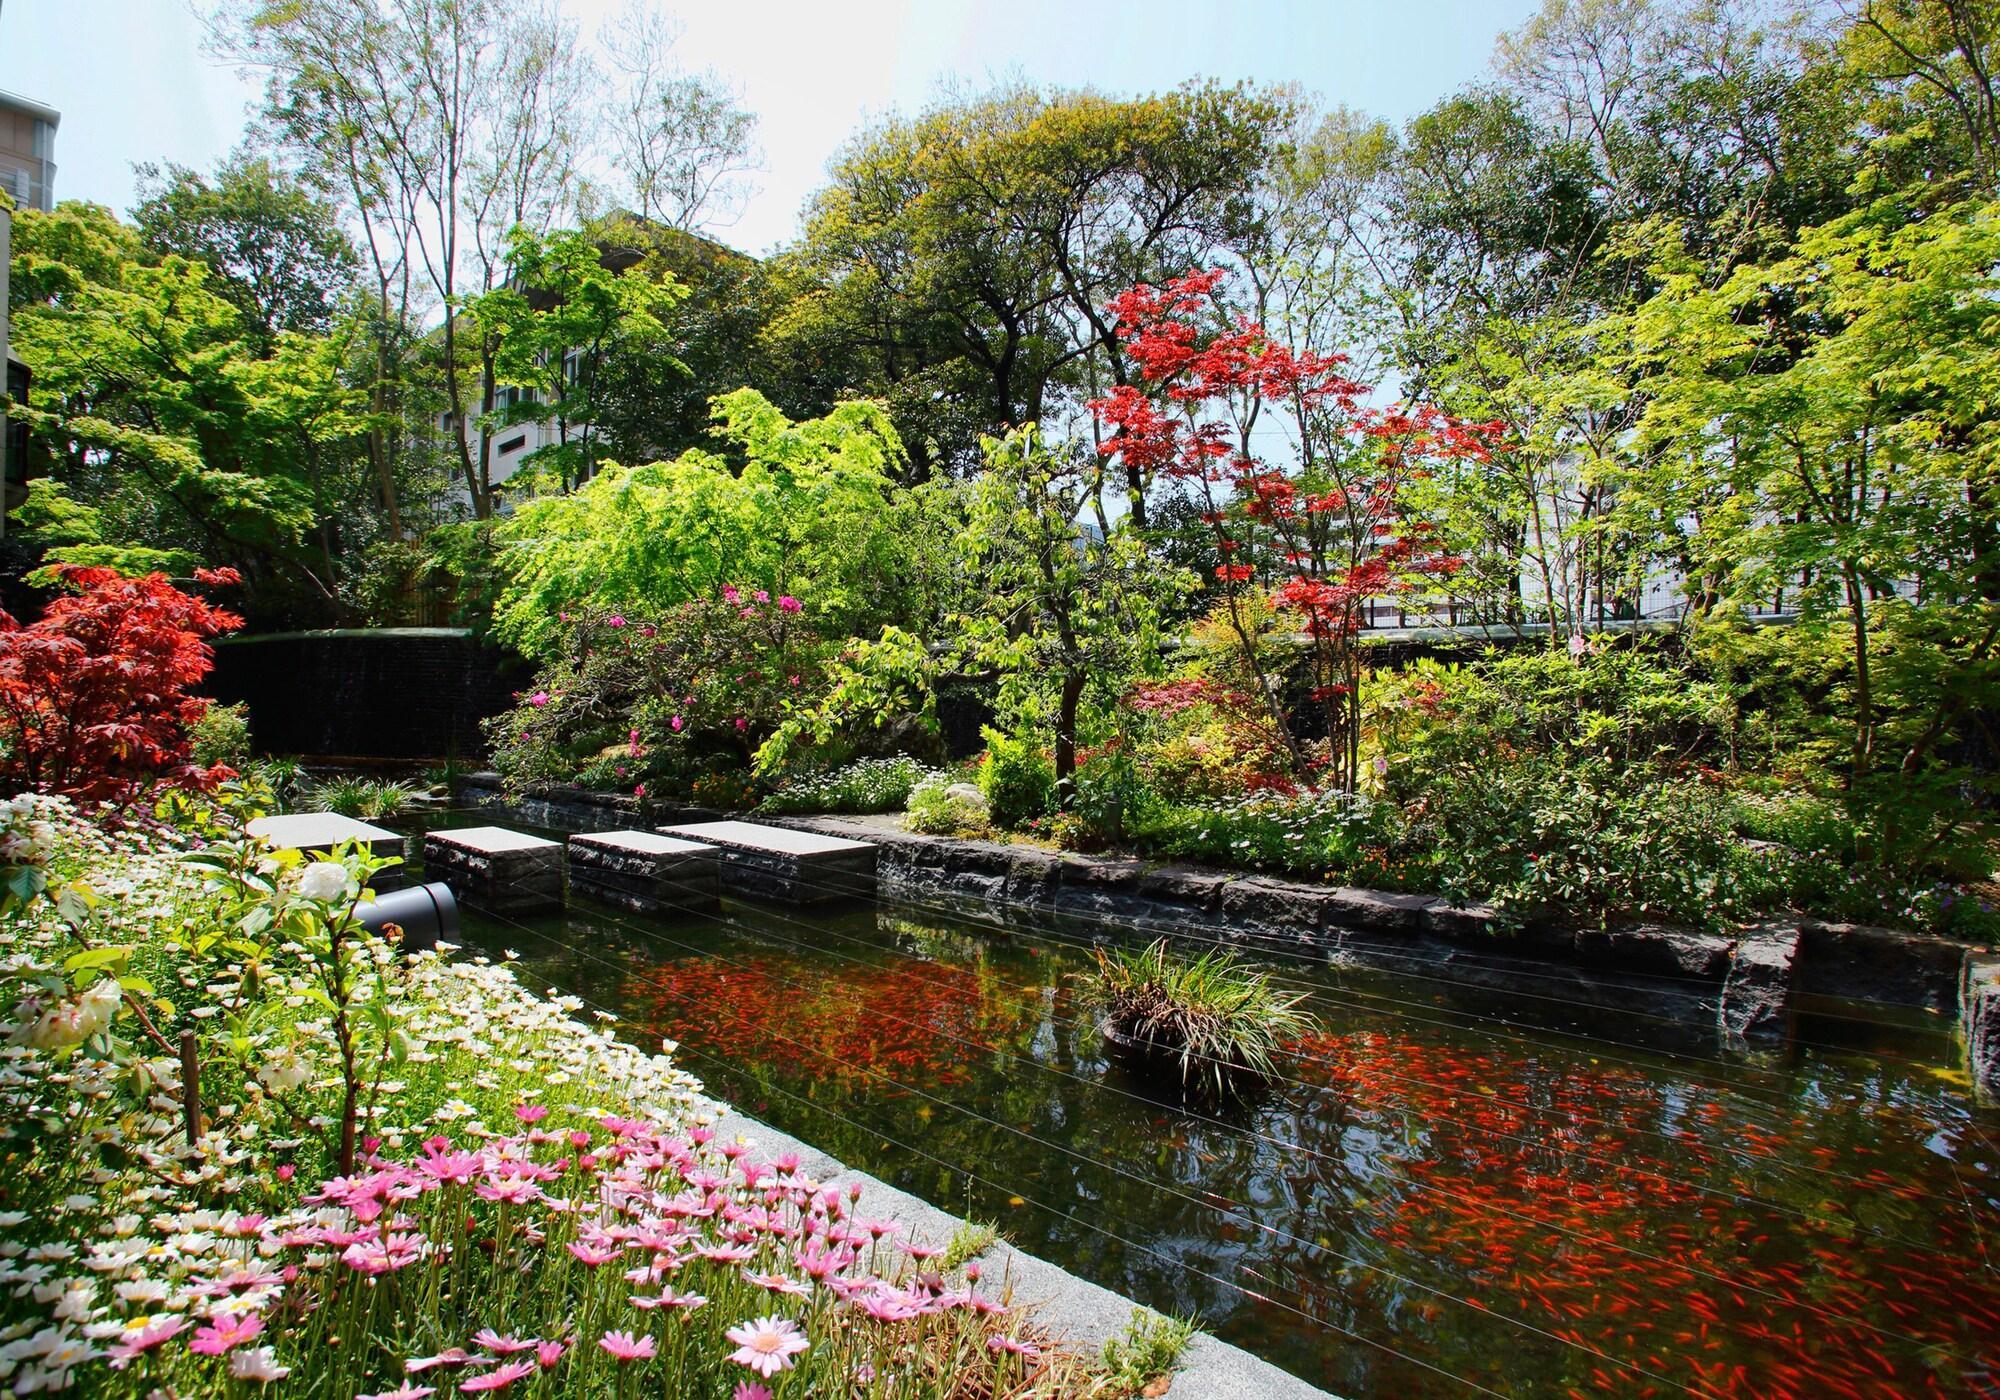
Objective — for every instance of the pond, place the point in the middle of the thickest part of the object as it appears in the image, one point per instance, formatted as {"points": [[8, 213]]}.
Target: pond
{"points": [[1458, 1189]]}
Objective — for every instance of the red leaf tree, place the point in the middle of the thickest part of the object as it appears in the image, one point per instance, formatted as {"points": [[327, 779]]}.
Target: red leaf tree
{"points": [[94, 698], [1323, 534]]}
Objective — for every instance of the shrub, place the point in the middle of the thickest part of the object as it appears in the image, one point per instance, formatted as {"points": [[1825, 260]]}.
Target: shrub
{"points": [[1149, 1348], [1219, 1020], [1312, 833], [221, 735], [939, 806], [866, 785], [664, 705], [95, 697], [1018, 779]]}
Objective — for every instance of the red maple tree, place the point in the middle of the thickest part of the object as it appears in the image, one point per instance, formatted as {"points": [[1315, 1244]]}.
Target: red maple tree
{"points": [[95, 697], [1323, 535]]}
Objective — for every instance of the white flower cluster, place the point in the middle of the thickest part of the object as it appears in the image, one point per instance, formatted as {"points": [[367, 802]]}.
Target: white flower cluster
{"points": [[27, 828], [59, 1024]]}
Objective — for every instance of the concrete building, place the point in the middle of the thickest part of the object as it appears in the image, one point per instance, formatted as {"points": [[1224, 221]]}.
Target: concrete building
{"points": [[28, 151], [28, 175]]}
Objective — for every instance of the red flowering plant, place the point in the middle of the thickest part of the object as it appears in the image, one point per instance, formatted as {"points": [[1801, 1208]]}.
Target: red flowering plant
{"points": [[676, 704], [1322, 536], [97, 696]]}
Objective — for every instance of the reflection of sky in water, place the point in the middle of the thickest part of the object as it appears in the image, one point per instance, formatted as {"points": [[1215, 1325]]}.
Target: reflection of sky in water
{"points": [[1532, 1211]]}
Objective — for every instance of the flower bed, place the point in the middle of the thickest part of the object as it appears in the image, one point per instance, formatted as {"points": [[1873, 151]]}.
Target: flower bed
{"points": [[530, 1204]]}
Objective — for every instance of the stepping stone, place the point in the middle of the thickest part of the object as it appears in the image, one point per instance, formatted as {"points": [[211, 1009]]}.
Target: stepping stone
{"points": [[320, 832], [791, 867], [508, 872], [644, 871]]}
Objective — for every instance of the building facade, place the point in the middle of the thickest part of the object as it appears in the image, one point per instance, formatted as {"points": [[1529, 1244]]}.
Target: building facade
{"points": [[28, 151]]}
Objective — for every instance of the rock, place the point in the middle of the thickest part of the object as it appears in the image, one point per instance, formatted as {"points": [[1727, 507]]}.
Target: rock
{"points": [[508, 872], [1755, 1005], [1979, 1022], [1277, 903], [1461, 923], [1199, 890], [1380, 911], [644, 871], [1657, 948], [1879, 964]]}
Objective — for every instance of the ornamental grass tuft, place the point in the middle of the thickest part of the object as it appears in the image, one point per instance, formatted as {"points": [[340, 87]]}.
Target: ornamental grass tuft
{"points": [[1219, 1020]]}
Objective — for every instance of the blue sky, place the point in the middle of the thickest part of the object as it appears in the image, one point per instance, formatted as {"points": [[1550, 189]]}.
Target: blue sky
{"points": [[133, 85]]}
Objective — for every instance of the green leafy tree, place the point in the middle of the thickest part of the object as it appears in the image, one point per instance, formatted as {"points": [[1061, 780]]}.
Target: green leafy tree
{"points": [[1069, 601], [276, 248], [561, 314], [159, 411], [1835, 408], [811, 513]]}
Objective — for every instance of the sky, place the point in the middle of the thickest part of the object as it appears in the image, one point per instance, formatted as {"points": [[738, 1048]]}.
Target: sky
{"points": [[133, 85]]}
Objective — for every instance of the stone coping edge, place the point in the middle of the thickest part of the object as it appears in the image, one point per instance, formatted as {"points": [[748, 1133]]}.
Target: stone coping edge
{"points": [[1073, 1310]]}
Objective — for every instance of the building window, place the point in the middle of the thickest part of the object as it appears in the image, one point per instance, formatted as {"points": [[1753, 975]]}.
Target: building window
{"points": [[513, 444]]}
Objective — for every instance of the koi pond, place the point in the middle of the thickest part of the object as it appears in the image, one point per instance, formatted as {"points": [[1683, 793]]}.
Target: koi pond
{"points": [[1458, 1189]]}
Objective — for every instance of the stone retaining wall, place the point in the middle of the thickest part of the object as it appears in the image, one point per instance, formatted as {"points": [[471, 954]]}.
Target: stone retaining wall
{"points": [[1749, 978]]}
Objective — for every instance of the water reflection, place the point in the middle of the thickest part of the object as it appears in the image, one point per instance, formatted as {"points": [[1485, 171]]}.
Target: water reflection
{"points": [[1434, 1195]]}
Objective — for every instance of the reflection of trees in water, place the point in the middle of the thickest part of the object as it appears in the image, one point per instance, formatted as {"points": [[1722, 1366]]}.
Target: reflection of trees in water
{"points": [[1519, 1176]]}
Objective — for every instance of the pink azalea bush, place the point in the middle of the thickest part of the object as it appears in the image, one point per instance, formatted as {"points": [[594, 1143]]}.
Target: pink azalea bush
{"points": [[679, 703], [535, 1205]]}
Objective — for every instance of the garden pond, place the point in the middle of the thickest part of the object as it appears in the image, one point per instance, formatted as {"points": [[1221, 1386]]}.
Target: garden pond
{"points": [[1458, 1189]]}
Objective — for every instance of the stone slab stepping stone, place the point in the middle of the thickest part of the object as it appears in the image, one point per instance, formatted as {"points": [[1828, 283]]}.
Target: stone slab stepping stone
{"points": [[508, 872], [645, 871], [321, 831], [783, 864]]}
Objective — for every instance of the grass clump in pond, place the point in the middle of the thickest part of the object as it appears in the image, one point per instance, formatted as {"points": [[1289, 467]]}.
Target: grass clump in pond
{"points": [[1220, 1019], [363, 798]]}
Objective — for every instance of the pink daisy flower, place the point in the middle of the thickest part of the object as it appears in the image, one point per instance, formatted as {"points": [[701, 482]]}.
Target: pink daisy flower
{"points": [[500, 1344], [766, 1344], [409, 1390], [623, 1346], [499, 1378], [225, 1333]]}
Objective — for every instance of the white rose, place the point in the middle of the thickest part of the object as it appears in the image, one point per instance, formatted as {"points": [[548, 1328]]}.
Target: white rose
{"points": [[325, 881]]}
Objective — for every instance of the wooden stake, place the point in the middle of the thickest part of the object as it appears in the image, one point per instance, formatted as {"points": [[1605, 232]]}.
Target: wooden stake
{"points": [[190, 1087]]}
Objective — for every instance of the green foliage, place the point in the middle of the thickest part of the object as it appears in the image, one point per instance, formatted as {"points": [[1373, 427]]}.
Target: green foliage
{"points": [[366, 798], [673, 703], [878, 693], [941, 806], [275, 250], [1150, 1347], [809, 514], [1017, 779], [971, 1239], [866, 785], [559, 316], [221, 735], [1308, 834], [1220, 1021]]}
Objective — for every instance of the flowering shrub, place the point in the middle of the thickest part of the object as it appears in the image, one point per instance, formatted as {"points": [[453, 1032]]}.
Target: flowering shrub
{"points": [[95, 696], [664, 704], [866, 785], [533, 1204]]}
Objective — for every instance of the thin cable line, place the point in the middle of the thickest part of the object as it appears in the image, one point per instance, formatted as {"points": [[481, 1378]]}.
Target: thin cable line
{"points": [[1230, 1210], [1596, 1241], [1738, 1197], [1069, 1217]]}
